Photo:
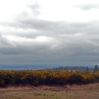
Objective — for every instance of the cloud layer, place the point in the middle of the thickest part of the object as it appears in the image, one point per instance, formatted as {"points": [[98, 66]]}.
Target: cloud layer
{"points": [[30, 39]]}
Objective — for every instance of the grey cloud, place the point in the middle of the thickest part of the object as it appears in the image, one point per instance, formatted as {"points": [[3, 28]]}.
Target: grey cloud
{"points": [[74, 43], [20, 49], [87, 6], [35, 8], [59, 27], [4, 42], [51, 27], [59, 30], [88, 31], [14, 51]]}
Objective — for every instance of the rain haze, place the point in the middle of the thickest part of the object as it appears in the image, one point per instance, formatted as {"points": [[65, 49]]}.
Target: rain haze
{"points": [[49, 32]]}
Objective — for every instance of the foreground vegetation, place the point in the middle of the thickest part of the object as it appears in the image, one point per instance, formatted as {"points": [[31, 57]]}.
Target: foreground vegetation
{"points": [[46, 77], [89, 91]]}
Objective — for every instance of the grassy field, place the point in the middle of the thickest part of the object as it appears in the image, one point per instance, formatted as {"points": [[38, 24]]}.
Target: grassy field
{"points": [[90, 91]]}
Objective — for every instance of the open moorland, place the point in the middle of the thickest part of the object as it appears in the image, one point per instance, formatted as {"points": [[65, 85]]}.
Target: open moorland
{"points": [[90, 91], [48, 84]]}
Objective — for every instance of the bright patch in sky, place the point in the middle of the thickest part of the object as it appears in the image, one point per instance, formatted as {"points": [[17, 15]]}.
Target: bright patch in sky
{"points": [[43, 39]]}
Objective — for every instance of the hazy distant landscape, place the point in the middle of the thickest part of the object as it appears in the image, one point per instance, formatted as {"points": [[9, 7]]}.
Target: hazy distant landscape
{"points": [[25, 67]]}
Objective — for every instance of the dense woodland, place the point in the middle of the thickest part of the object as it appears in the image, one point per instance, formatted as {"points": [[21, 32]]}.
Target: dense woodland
{"points": [[46, 77]]}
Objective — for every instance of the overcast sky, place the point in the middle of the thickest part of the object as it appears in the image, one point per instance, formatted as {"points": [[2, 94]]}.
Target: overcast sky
{"points": [[58, 32]]}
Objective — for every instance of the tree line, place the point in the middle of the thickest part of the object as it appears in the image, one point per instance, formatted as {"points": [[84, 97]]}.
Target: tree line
{"points": [[78, 68], [81, 68]]}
